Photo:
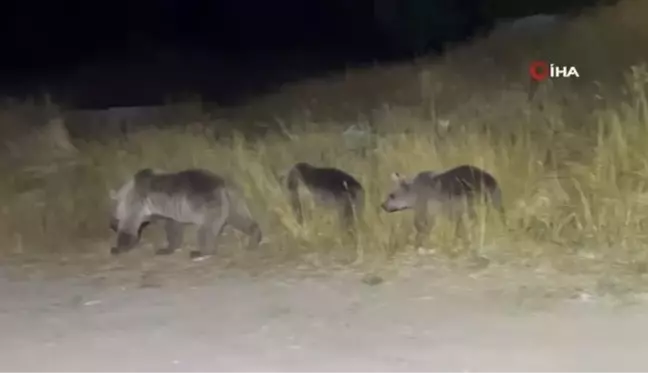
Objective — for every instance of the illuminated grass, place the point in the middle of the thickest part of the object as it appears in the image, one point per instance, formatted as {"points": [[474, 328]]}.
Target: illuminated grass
{"points": [[574, 180]]}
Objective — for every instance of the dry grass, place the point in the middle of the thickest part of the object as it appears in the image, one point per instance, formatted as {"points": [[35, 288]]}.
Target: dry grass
{"points": [[573, 172]]}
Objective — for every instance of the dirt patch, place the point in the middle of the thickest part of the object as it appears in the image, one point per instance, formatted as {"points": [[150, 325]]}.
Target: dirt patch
{"points": [[416, 318]]}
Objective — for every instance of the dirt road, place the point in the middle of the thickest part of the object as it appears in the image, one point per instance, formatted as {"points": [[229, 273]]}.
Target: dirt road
{"points": [[327, 323]]}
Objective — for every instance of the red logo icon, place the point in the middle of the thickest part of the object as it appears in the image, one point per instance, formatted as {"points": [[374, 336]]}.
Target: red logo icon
{"points": [[539, 70]]}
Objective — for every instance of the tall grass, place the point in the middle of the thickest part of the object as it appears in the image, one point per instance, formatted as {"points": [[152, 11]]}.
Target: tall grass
{"points": [[574, 179]]}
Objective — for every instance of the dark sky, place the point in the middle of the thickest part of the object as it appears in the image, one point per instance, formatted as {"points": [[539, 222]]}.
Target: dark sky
{"points": [[44, 33], [230, 42], [46, 41]]}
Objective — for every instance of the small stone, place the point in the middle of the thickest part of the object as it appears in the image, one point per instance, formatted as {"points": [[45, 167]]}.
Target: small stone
{"points": [[372, 279]]}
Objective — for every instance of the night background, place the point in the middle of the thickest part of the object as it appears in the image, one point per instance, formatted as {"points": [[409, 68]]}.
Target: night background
{"points": [[92, 92], [225, 51]]}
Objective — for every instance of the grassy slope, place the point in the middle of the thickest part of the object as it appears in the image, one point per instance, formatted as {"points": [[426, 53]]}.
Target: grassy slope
{"points": [[573, 164]]}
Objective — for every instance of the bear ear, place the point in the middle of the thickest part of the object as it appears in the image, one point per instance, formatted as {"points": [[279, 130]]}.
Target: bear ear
{"points": [[113, 195], [396, 177]]}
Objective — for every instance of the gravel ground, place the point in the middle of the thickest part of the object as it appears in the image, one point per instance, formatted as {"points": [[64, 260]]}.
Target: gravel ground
{"points": [[285, 322]]}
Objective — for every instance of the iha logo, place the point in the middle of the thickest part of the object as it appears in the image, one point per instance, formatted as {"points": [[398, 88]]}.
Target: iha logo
{"points": [[542, 70]]}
